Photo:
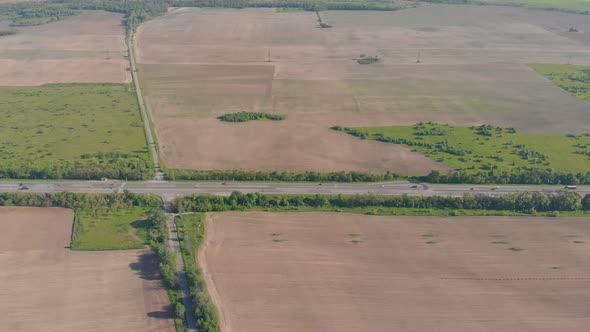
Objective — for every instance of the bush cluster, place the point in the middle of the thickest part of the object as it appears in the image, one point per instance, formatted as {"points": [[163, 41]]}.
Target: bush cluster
{"points": [[250, 116]]}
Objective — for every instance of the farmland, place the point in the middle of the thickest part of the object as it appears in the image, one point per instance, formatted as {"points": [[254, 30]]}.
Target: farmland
{"points": [[72, 131], [198, 64], [343, 272], [52, 288], [473, 149], [573, 79], [86, 48]]}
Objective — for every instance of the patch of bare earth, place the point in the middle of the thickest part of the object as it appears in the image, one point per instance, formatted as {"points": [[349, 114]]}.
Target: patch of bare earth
{"points": [[86, 48], [196, 64], [348, 272], [44, 286]]}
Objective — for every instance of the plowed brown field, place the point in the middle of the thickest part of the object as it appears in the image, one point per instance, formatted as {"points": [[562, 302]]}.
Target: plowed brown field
{"points": [[196, 64], [346, 272], [86, 48], [47, 287]]}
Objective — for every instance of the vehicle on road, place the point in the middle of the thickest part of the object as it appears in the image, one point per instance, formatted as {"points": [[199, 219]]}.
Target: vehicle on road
{"points": [[570, 187]]}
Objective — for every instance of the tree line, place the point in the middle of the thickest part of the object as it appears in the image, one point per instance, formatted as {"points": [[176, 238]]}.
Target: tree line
{"points": [[158, 236], [526, 202], [89, 167], [514, 176], [192, 233], [92, 203], [240, 175]]}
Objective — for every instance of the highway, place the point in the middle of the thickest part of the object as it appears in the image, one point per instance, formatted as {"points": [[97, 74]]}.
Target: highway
{"points": [[168, 190]]}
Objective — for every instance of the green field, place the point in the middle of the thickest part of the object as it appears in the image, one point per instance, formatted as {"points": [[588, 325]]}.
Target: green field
{"points": [[473, 149], [582, 6], [83, 131], [573, 6], [114, 230], [573, 79]]}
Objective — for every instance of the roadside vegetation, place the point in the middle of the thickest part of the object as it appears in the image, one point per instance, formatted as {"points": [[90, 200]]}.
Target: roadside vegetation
{"points": [[537, 203], [72, 131], [250, 116], [239, 175], [573, 79], [191, 231], [488, 154]]}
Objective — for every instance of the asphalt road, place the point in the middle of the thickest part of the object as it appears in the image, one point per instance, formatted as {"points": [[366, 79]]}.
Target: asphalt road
{"points": [[169, 190]]}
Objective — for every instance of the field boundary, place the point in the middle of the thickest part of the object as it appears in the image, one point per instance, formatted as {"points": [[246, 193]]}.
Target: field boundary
{"points": [[192, 236], [149, 133]]}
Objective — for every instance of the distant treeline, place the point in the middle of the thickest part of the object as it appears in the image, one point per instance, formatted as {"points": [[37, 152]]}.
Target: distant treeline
{"points": [[7, 32], [250, 116], [518, 202], [238, 175], [137, 12], [112, 165]]}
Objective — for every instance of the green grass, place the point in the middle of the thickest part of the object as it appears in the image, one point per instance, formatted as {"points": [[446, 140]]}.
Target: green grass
{"points": [[117, 230], [573, 79], [572, 6], [393, 211], [472, 149], [50, 128], [581, 6]]}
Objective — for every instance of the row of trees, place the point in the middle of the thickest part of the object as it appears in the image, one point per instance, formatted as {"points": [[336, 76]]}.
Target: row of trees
{"points": [[238, 175], [157, 238], [86, 202], [515, 176], [90, 167], [519, 202], [192, 232]]}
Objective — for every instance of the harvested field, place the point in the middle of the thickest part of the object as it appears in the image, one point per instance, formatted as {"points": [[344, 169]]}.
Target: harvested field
{"points": [[196, 64], [86, 48], [47, 287], [348, 272]]}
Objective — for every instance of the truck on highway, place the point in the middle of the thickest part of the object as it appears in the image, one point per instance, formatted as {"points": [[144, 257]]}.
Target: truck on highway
{"points": [[571, 187]]}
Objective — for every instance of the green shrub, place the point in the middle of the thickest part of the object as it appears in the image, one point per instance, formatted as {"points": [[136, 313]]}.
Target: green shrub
{"points": [[250, 116]]}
